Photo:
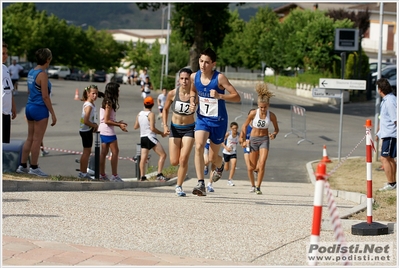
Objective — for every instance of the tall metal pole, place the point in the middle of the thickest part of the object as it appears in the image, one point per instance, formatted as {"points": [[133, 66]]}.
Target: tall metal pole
{"points": [[167, 43], [377, 96], [163, 56], [97, 156], [341, 113]]}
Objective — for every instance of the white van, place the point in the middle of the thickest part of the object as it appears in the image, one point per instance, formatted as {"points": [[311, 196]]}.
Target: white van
{"points": [[58, 71]]}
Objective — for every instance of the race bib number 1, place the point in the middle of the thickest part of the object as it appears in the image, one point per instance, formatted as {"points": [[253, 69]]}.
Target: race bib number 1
{"points": [[208, 106]]}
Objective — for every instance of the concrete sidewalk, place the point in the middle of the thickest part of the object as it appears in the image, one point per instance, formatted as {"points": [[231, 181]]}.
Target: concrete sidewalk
{"points": [[152, 226]]}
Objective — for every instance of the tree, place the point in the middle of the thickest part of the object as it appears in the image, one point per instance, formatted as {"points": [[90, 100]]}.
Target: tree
{"points": [[18, 19], [199, 25], [229, 52], [106, 53], [272, 50], [259, 25], [25, 30], [138, 54], [361, 21]]}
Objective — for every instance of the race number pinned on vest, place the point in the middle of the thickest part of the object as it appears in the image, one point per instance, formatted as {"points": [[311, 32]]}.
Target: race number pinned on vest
{"points": [[182, 107], [208, 106]]}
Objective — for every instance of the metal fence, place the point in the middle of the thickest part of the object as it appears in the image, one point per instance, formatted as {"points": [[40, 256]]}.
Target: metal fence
{"points": [[243, 76], [298, 123]]}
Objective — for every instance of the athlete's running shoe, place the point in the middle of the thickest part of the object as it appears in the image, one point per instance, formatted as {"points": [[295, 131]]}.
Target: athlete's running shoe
{"points": [[199, 189]]}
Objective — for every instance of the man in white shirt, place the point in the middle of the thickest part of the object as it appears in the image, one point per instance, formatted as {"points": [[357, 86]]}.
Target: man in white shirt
{"points": [[9, 108], [143, 76], [14, 70], [161, 102]]}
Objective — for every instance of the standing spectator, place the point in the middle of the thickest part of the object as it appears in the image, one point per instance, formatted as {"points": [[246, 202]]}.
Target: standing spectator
{"points": [[181, 131], [161, 102], [37, 112], [146, 88], [9, 108], [107, 133], [44, 152], [88, 125], [143, 76], [132, 76], [387, 132], [145, 120], [212, 118], [259, 142], [15, 69]]}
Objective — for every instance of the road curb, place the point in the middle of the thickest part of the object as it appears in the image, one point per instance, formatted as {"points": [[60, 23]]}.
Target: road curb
{"points": [[355, 197], [24, 186], [359, 198]]}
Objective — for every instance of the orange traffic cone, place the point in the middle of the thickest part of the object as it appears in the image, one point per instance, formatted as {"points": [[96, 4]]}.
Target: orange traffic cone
{"points": [[77, 94], [325, 158]]}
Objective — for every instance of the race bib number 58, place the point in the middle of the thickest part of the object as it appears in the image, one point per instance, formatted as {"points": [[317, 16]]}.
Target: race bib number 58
{"points": [[208, 106]]}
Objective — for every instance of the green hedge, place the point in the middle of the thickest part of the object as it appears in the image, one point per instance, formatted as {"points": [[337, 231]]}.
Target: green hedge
{"points": [[291, 81]]}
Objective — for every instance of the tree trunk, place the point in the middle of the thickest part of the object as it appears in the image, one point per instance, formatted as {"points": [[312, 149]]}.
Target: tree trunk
{"points": [[197, 47]]}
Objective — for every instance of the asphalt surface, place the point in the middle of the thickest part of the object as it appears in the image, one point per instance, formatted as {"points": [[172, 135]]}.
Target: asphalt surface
{"points": [[286, 160], [132, 224]]}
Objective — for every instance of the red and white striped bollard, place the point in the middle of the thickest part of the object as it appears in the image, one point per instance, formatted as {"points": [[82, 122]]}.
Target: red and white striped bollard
{"points": [[317, 208], [369, 160]]}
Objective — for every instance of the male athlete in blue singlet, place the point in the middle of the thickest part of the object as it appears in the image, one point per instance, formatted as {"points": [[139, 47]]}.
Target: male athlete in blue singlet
{"points": [[208, 90]]}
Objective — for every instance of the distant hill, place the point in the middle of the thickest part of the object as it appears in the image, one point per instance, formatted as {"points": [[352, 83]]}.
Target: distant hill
{"points": [[124, 15]]}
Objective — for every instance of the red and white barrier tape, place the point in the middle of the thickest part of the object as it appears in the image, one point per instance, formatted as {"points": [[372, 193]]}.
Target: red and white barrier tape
{"points": [[336, 221], [345, 158], [248, 96], [332, 208], [298, 110]]}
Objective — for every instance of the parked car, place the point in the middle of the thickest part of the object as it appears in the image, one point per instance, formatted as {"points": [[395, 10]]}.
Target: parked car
{"points": [[99, 76], [269, 71], [27, 67], [389, 72], [374, 66], [78, 75], [58, 71], [119, 78]]}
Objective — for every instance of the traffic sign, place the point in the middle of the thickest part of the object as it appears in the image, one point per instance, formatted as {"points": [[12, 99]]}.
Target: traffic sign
{"points": [[326, 93], [342, 84]]}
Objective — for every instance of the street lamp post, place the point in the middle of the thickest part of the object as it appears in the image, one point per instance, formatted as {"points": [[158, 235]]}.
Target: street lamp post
{"points": [[167, 42], [163, 55]]}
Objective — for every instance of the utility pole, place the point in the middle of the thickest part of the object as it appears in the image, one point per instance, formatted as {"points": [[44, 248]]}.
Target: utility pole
{"points": [[167, 42], [377, 95]]}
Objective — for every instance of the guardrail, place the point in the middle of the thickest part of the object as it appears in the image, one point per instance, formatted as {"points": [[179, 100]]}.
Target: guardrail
{"points": [[243, 76]]}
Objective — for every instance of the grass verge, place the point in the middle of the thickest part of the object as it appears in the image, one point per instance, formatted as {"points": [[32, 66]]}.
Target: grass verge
{"points": [[351, 176]]}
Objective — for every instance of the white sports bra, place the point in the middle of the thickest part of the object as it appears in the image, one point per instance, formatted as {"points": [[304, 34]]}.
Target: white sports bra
{"points": [[261, 123]]}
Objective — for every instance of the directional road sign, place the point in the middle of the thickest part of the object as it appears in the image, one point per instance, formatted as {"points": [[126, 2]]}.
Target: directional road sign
{"points": [[326, 93], [342, 84]]}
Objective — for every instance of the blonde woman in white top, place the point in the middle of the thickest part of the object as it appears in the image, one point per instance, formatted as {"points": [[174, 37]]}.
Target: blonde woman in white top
{"points": [[260, 119]]}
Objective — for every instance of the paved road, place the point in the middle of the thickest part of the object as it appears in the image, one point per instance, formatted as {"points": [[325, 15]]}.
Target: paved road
{"points": [[286, 161], [151, 226]]}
